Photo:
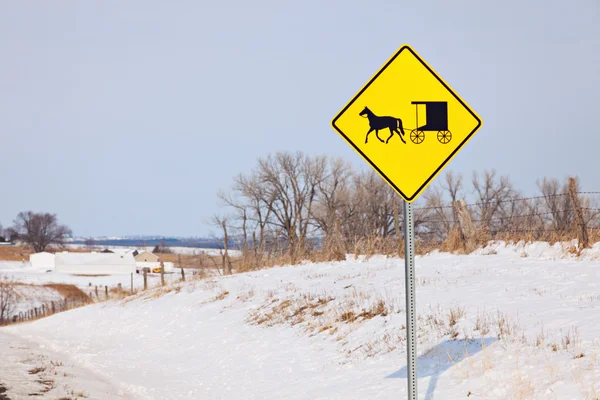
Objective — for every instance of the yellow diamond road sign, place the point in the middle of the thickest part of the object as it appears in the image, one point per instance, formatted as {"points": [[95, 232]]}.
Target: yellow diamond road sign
{"points": [[407, 123]]}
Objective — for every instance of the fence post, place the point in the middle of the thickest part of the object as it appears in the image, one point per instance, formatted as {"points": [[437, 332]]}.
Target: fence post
{"points": [[145, 279], [582, 235], [96, 290], [106, 291], [119, 288], [465, 224], [132, 283], [181, 266], [53, 307], [162, 273]]}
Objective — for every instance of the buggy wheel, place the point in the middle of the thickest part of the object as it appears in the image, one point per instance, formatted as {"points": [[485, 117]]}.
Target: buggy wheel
{"points": [[444, 137], [417, 136]]}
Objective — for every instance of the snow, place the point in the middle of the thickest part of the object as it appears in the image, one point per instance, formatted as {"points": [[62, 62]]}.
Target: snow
{"points": [[510, 322], [24, 273], [36, 372], [174, 249], [30, 297]]}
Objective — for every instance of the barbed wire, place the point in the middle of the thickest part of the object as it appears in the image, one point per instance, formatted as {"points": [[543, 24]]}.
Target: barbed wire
{"points": [[510, 217], [502, 201]]}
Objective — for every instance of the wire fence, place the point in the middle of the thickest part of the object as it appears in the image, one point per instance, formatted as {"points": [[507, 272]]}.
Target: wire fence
{"points": [[530, 216]]}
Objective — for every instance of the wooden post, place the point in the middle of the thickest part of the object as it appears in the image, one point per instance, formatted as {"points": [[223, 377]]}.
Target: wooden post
{"points": [[181, 266], [106, 291], [162, 273], [465, 224], [132, 283], [145, 279], [119, 288], [44, 310], [96, 290], [53, 308], [582, 235]]}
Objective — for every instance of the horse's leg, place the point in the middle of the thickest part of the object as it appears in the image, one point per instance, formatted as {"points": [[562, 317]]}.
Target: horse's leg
{"points": [[367, 138], [398, 133], [391, 134], [401, 130], [377, 134]]}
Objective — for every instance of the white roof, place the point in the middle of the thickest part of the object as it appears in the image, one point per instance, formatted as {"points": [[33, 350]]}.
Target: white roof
{"points": [[144, 252], [94, 259]]}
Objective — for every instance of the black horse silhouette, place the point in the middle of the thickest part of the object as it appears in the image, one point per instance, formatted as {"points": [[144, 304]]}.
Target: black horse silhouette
{"points": [[377, 123]]}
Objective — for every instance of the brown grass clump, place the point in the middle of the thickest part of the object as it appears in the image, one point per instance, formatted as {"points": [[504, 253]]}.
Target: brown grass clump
{"points": [[70, 292], [453, 242], [22, 253], [36, 370], [455, 315]]}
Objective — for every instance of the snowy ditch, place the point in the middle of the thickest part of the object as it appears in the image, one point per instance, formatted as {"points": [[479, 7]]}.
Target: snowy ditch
{"points": [[490, 326]]}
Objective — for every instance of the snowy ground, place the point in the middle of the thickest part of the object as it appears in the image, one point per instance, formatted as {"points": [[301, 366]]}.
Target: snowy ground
{"points": [[35, 372], [174, 249], [23, 272], [517, 322]]}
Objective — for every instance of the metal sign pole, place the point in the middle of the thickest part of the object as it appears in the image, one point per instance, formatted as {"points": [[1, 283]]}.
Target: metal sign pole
{"points": [[409, 262]]}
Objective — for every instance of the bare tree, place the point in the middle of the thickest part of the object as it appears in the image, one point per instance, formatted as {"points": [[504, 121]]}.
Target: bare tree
{"points": [[2, 236], [89, 243], [557, 203], [492, 193], [162, 248], [222, 223], [39, 230], [332, 194], [292, 180], [8, 299]]}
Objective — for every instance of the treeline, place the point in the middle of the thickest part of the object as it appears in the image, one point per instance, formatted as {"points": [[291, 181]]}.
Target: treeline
{"points": [[39, 230], [291, 204]]}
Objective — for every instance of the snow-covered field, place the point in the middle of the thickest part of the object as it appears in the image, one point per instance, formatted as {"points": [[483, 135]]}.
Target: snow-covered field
{"points": [[174, 249], [23, 272], [510, 322]]}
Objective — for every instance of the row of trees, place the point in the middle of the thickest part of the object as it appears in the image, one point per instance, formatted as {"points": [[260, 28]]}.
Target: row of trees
{"points": [[289, 200], [38, 230]]}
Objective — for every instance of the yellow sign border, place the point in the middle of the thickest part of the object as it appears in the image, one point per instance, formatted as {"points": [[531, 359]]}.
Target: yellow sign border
{"points": [[450, 90]]}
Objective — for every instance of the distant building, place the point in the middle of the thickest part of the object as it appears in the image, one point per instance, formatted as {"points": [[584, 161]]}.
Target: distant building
{"points": [[95, 263], [146, 256], [43, 260]]}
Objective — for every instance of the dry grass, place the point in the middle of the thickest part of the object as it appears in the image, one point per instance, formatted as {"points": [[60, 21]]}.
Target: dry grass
{"points": [[22, 253], [70, 292], [36, 370], [455, 314]]}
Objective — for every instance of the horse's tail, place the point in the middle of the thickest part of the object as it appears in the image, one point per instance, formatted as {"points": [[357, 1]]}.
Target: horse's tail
{"points": [[400, 126]]}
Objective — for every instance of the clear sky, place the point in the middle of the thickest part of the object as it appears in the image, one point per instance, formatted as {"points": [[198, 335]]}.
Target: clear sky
{"points": [[126, 117]]}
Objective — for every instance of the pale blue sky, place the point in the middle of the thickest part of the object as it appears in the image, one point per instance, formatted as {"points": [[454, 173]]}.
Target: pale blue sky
{"points": [[127, 117]]}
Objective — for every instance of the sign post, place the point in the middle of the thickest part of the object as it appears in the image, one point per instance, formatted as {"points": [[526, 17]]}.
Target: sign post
{"points": [[407, 123], [409, 267]]}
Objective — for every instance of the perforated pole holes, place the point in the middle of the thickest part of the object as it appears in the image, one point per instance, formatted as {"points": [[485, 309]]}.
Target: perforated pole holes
{"points": [[409, 262]]}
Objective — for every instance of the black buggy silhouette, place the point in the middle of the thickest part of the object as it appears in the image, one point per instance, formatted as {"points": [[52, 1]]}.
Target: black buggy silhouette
{"points": [[436, 114]]}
